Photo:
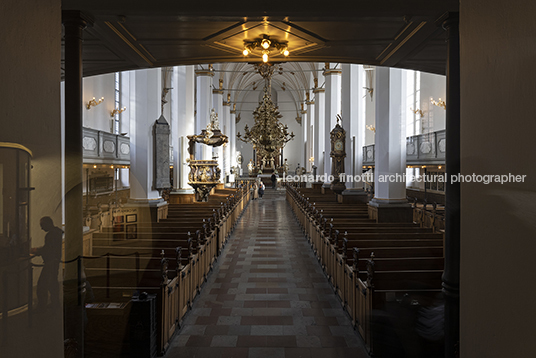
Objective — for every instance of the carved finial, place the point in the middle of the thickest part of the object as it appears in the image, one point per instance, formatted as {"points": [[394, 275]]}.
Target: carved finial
{"points": [[178, 256], [356, 260]]}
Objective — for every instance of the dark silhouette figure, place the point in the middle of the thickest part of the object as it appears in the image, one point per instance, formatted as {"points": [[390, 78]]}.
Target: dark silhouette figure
{"points": [[274, 180], [51, 254], [261, 189]]}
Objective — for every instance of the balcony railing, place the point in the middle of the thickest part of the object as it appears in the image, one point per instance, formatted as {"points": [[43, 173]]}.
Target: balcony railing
{"points": [[427, 148], [104, 147]]}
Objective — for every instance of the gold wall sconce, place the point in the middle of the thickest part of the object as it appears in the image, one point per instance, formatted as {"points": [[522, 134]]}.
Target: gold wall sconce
{"points": [[439, 103], [371, 128], [265, 46], [117, 111], [94, 102], [419, 111]]}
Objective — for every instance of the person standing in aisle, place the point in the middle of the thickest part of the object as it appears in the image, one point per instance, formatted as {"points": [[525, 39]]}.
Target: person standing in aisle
{"points": [[261, 189]]}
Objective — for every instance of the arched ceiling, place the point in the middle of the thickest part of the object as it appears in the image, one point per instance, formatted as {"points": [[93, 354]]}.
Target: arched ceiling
{"points": [[292, 77], [134, 34]]}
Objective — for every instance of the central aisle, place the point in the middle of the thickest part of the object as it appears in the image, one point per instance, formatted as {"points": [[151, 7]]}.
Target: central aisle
{"points": [[267, 296]]}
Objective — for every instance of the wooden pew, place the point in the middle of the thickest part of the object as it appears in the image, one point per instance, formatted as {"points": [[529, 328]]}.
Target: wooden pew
{"points": [[170, 258], [407, 259]]}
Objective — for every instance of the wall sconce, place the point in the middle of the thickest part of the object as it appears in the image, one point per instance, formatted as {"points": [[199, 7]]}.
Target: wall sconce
{"points": [[369, 91], [312, 160], [265, 46], [94, 102], [420, 111], [117, 111], [371, 128], [439, 103]]}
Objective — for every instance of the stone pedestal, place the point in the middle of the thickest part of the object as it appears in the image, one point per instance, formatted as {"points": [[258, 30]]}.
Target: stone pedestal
{"points": [[182, 196], [317, 185], [148, 210], [337, 186], [353, 196], [390, 211]]}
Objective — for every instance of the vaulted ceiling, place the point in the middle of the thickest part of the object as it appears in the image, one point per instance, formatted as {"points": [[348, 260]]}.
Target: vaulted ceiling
{"points": [[133, 34]]}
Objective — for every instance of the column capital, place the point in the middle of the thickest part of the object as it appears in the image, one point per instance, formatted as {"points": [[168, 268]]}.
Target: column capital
{"points": [[332, 71], [310, 103], [448, 19], [76, 17], [217, 91], [204, 73], [319, 90], [226, 103]]}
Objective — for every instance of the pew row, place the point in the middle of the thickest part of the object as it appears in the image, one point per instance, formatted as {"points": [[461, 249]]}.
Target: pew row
{"points": [[171, 258], [370, 265]]}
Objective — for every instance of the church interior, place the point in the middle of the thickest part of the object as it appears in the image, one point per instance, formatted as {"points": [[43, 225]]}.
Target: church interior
{"points": [[266, 180]]}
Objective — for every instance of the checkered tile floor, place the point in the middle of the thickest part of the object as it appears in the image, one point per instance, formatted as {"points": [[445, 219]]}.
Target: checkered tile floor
{"points": [[267, 296]]}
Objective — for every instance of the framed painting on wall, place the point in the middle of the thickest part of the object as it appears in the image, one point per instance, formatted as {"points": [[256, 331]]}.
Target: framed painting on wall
{"points": [[131, 231]]}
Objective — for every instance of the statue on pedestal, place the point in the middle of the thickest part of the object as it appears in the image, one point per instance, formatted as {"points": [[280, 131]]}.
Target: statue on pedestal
{"points": [[250, 167], [239, 159], [263, 162], [285, 167], [214, 122], [272, 162]]}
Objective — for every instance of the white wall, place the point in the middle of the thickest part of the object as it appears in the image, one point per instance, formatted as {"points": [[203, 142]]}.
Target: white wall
{"points": [[433, 86], [98, 117], [498, 228]]}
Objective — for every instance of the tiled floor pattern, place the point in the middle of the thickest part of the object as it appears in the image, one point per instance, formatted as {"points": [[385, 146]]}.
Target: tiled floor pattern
{"points": [[267, 296]]}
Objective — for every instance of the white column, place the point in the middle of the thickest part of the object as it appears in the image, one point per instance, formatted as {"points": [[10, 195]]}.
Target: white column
{"points": [[390, 138], [217, 104], [359, 128], [319, 130], [311, 130], [333, 107], [182, 121], [144, 109], [305, 134], [203, 107], [232, 136], [352, 123], [226, 129]]}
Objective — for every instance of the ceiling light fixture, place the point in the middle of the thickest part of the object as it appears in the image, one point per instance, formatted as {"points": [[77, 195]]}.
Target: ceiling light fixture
{"points": [[268, 135], [265, 47]]}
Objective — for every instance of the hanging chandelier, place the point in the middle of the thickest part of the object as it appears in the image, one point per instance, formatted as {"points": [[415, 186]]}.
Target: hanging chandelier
{"points": [[268, 135], [265, 46]]}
